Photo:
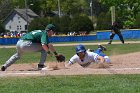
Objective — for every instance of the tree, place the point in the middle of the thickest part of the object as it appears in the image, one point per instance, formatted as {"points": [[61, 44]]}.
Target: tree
{"points": [[125, 9], [2, 29], [19, 3], [98, 7], [38, 24], [74, 7], [56, 21], [35, 5], [137, 22], [104, 21], [65, 24], [43, 7], [6, 6], [41, 23], [81, 23]]}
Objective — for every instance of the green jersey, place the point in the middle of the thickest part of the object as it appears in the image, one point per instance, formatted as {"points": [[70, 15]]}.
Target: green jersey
{"points": [[37, 36]]}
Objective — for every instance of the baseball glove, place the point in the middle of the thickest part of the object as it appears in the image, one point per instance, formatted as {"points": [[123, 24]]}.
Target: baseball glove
{"points": [[60, 58]]}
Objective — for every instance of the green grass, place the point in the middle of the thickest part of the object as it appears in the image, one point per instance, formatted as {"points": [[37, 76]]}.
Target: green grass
{"points": [[95, 41], [72, 84]]}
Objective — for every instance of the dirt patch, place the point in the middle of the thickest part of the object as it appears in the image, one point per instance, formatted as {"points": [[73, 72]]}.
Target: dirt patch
{"points": [[121, 64]]}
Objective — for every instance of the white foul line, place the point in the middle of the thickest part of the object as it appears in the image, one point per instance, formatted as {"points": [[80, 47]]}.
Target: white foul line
{"points": [[40, 73], [25, 73], [124, 68]]}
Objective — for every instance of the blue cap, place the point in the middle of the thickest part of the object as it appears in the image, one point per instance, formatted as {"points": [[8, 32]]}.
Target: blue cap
{"points": [[80, 48]]}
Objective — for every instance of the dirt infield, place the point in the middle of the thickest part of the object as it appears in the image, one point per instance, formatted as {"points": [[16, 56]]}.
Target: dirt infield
{"points": [[121, 64]]}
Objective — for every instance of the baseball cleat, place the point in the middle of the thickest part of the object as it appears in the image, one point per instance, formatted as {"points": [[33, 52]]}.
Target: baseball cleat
{"points": [[3, 68], [40, 66], [102, 47], [89, 50], [109, 43]]}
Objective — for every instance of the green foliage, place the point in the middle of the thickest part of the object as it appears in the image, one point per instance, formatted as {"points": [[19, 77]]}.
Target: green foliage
{"points": [[74, 7], [65, 24], [6, 7], [104, 21], [35, 5], [2, 29], [68, 7], [38, 23], [128, 21], [99, 7], [43, 7], [129, 24], [137, 22], [19, 3], [126, 10], [81, 23]]}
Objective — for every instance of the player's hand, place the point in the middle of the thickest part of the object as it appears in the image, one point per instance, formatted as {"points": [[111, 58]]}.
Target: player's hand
{"points": [[67, 66]]}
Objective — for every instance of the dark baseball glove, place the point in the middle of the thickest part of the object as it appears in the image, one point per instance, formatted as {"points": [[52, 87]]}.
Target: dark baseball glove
{"points": [[60, 58]]}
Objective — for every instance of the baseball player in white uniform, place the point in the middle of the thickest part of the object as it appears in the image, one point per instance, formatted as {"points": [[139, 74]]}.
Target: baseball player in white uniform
{"points": [[100, 51], [84, 58]]}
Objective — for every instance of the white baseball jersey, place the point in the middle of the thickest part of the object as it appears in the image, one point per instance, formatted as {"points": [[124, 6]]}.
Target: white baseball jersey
{"points": [[89, 57]]}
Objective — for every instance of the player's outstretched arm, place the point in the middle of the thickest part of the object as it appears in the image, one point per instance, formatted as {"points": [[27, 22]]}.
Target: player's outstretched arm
{"points": [[51, 47], [67, 65]]}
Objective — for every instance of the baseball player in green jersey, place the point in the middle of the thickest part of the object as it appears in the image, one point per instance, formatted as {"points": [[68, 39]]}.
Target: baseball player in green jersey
{"points": [[34, 41]]}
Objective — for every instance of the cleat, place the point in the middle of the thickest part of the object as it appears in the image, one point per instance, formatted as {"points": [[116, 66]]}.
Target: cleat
{"points": [[40, 66], [109, 43], [122, 42], [89, 50], [3, 68], [102, 47]]}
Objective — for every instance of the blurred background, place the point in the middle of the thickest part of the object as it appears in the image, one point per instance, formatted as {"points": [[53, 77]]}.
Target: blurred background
{"points": [[70, 16]]}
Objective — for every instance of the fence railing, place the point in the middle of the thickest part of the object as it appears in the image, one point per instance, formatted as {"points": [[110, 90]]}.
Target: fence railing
{"points": [[127, 34]]}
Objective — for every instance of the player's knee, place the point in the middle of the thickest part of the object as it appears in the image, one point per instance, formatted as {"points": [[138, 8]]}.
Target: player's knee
{"points": [[16, 56]]}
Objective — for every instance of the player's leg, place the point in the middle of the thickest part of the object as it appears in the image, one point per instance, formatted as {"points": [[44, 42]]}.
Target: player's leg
{"points": [[42, 59], [13, 58], [23, 46], [111, 38], [103, 48], [99, 52], [29, 46], [121, 37], [10, 61]]}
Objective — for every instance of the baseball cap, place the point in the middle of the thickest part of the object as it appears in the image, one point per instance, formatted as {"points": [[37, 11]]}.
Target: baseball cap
{"points": [[80, 48], [50, 27]]}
